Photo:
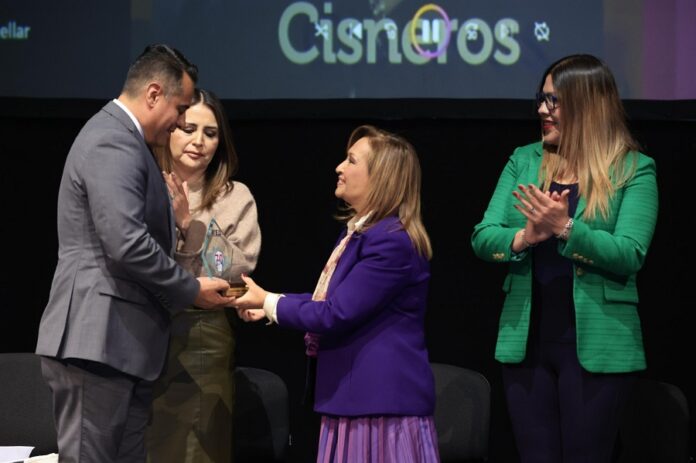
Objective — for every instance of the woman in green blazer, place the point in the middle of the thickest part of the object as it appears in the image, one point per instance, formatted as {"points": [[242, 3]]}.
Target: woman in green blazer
{"points": [[573, 216]]}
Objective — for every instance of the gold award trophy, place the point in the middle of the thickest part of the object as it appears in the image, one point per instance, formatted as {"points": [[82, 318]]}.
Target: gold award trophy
{"points": [[217, 260]]}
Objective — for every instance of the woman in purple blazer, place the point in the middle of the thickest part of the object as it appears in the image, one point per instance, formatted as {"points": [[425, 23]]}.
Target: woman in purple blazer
{"points": [[374, 385]]}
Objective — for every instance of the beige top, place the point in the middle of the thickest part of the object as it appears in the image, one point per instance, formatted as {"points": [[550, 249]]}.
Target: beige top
{"points": [[235, 212]]}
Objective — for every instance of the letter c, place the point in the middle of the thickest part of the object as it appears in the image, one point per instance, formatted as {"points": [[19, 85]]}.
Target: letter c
{"points": [[297, 57]]}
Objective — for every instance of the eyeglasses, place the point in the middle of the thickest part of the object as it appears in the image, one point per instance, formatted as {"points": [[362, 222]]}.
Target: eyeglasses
{"points": [[550, 99]]}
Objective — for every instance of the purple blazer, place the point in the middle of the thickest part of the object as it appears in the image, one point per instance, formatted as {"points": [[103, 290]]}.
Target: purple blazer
{"points": [[372, 358]]}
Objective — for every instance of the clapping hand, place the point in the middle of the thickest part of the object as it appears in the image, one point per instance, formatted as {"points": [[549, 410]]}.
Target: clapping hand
{"points": [[546, 212], [179, 194]]}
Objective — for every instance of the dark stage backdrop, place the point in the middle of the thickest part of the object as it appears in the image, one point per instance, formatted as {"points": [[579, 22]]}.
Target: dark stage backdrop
{"points": [[289, 162]]}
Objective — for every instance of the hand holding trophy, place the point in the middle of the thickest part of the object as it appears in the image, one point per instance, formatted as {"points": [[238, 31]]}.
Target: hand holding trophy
{"points": [[217, 260]]}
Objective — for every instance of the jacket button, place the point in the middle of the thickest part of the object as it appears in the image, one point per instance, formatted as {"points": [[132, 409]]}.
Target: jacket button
{"points": [[579, 272]]}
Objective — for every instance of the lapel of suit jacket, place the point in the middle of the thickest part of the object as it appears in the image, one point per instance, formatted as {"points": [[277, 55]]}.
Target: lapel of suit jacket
{"points": [[116, 111], [346, 262], [582, 204], [172, 229], [534, 165], [170, 212]]}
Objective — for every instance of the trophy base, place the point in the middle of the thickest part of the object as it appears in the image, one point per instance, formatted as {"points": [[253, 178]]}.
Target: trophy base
{"points": [[237, 289]]}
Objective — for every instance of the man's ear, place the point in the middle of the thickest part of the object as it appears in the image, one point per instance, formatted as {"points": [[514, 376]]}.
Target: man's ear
{"points": [[153, 93]]}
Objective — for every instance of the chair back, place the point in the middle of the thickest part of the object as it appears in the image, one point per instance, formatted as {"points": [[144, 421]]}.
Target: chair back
{"points": [[655, 425], [26, 404], [462, 413], [261, 424]]}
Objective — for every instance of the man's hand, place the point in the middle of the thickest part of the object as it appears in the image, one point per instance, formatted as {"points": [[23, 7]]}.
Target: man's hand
{"points": [[210, 295]]}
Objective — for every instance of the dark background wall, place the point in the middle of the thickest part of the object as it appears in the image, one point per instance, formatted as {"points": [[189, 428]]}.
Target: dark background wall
{"points": [[288, 154]]}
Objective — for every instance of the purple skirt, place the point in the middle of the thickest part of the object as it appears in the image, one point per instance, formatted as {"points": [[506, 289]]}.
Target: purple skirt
{"points": [[378, 439]]}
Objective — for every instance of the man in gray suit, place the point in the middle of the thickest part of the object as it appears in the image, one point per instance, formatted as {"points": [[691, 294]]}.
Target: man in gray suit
{"points": [[104, 333]]}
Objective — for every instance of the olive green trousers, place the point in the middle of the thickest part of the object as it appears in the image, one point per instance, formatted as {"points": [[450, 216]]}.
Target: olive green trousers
{"points": [[193, 398]]}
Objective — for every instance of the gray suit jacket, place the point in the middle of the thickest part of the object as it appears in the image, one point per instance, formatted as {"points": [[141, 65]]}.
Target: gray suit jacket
{"points": [[116, 285]]}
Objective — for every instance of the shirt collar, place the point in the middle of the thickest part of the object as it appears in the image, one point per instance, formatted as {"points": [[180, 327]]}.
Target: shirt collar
{"points": [[130, 114], [357, 223]]}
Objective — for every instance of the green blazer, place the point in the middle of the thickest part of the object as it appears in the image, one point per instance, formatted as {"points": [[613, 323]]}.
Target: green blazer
{"points": [[606, 256]]}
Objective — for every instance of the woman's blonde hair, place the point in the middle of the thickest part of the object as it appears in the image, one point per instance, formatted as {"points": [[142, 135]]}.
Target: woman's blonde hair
{"points": [[217, 179], [395, 183], [595, 139]]}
